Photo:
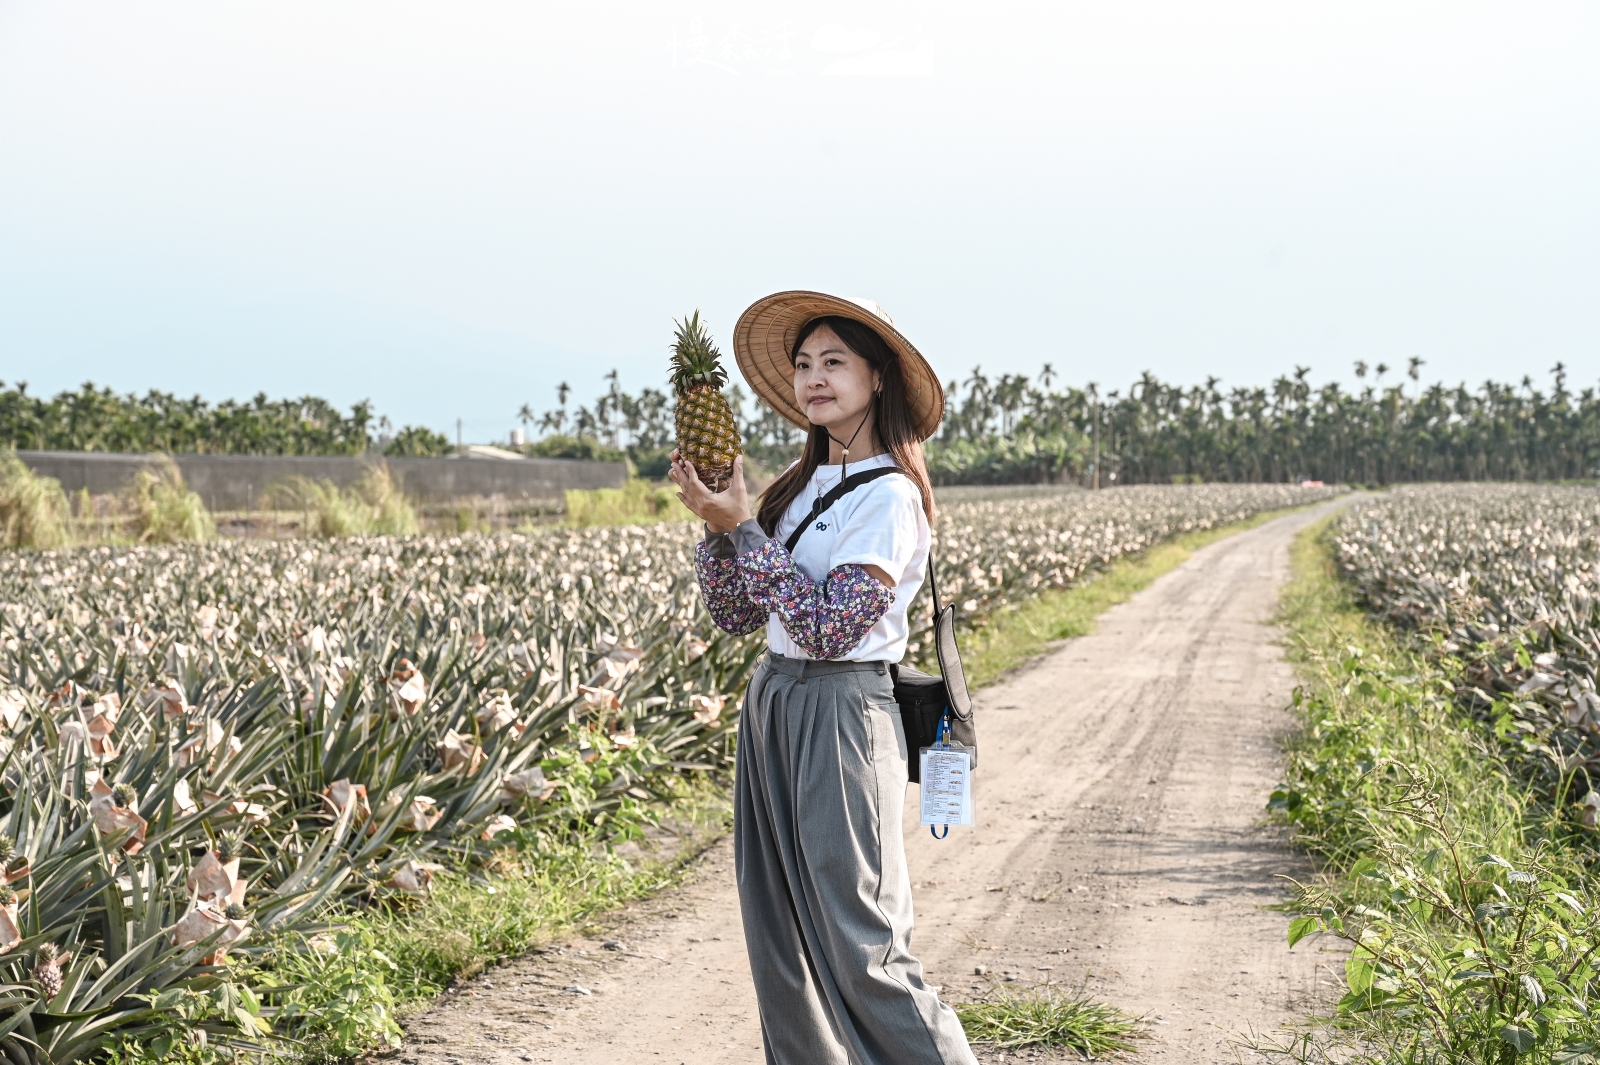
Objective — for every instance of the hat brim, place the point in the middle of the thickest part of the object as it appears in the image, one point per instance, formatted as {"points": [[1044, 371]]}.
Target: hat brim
{"points": [[765, 335]]}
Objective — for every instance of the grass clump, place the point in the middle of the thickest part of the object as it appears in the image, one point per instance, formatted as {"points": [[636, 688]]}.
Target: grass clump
{"points": [[373, 506], [1014, 1019], [637, 502], [1014, 636], [164, 510], [33, 509], [1468, 920]]}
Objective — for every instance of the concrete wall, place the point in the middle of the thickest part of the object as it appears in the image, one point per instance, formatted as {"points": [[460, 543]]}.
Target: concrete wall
{"points": [[237, 482]]}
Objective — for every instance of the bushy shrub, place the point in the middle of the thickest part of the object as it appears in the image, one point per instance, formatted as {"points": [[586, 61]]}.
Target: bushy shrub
{"points": [[636, 502], [652, 463], [574, 447], [391, 514], [1025, 458], [164, 510], [373, 506], [33, 509], [417, 441]]}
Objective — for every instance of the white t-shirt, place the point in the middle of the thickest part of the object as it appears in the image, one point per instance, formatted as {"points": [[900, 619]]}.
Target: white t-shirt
{"points": [[879, 524]]}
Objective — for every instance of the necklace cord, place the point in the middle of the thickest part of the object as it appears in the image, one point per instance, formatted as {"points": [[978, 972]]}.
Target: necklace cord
{"points": [[844, 461]]}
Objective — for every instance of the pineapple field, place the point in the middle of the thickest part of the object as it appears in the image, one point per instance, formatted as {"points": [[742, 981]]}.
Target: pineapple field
{"points": [[213, 754], [1507, 575]]}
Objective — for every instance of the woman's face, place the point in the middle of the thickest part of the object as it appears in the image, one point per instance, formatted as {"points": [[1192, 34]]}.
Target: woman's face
{"points": [[832, 384]]}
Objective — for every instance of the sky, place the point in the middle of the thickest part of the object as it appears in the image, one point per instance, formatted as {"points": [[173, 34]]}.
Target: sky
{"points": [[450, 208]]}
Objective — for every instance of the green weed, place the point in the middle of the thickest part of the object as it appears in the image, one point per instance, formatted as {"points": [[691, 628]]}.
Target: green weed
{"points": [[332, 993]]}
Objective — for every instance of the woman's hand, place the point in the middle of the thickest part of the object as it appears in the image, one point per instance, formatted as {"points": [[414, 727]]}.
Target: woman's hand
{"points": [[721, 511]]}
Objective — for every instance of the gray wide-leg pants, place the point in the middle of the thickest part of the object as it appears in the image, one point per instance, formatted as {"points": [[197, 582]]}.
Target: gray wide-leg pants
{"points": [[821, 865]]}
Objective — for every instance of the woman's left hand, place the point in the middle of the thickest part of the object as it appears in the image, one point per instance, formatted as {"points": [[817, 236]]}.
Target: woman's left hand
{"points": [[721, 511]]}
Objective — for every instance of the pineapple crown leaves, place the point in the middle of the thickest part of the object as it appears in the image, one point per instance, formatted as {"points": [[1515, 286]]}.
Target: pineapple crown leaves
{"points": [[125, 795], [230, 845], [47, 953], [8, 849], [695, 358]]}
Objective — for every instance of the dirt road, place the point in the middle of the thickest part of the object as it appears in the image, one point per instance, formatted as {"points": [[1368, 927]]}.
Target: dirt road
{"points": [[1120, 844]]}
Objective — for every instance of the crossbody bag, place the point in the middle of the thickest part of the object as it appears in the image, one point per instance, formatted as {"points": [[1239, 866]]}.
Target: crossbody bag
{"points": [[925, 700]]}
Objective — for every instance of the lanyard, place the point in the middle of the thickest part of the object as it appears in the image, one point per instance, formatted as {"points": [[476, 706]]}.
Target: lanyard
{"points": [[943, 744], [946, 782]]}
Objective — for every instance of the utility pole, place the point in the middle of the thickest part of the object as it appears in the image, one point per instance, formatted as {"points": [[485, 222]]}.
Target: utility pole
{"points": [[1094, 435], [458, 434]]}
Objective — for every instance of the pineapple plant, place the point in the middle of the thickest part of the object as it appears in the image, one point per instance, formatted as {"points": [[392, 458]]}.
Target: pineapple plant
{"points": [[708, 433]]}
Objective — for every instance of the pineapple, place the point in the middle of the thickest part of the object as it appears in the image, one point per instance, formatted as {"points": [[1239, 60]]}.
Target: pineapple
{"points": [[229, 846], [48, 960], [708, 435]]}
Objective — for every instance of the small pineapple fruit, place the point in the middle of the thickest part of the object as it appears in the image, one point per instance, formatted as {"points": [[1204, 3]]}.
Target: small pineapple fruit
{"points": [[236, 912], [47, 962], [230, 845], [708, 434], [8, 896], [125, 796], [8, 849]]}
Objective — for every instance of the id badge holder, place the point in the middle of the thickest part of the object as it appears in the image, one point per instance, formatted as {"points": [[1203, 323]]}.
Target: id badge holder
{"points": [[946, 783]]}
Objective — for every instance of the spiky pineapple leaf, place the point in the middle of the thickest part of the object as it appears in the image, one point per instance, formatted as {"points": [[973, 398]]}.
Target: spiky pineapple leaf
{"points": [[695, 358]]}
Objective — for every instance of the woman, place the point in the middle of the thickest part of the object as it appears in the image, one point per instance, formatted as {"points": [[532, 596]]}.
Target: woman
{"points": [[821, 771]]}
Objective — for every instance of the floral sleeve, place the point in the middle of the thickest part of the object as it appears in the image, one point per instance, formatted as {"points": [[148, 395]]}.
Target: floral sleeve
{"points": [[826, 618], [722, 587]]}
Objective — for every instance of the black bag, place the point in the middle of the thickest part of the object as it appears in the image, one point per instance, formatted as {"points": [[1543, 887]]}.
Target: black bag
{"points": [[923, 698]]}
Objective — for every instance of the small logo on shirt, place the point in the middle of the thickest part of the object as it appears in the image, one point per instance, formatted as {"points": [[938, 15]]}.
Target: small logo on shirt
{"points": [[822, 526]]}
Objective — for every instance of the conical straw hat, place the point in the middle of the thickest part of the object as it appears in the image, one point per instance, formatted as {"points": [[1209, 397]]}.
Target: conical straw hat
{"points": [[766, 332]]}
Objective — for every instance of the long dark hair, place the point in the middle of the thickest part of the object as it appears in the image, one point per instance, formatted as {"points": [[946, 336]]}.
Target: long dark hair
{"points": [[892, 422]]}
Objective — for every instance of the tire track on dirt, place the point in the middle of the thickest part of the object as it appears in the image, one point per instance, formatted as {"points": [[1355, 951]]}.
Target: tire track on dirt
{"points": [[1120, 847]]}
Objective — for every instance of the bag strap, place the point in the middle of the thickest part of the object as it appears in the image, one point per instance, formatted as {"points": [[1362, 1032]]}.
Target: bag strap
{"points": [[834, 494], [838, 492], [943, 624]]}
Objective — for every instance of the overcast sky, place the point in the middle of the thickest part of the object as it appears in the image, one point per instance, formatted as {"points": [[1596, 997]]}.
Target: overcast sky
{"points": [[449, 208]]}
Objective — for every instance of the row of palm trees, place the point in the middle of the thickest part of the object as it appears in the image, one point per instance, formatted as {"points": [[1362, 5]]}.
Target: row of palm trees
{"points": [[1292, 429], [1006, 429], [99, 419], [1017, 429]]}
